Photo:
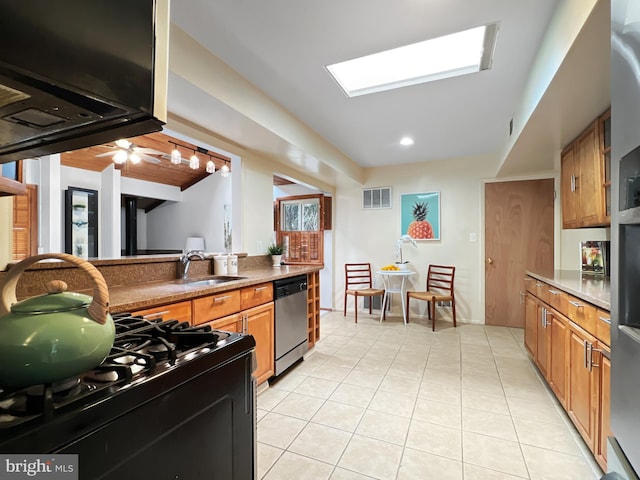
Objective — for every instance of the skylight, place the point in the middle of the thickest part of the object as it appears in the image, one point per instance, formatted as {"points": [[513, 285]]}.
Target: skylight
{"points": [[452, 55]]}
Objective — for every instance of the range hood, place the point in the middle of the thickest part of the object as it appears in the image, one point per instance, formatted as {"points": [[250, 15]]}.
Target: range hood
{"points": [[75, 74]]}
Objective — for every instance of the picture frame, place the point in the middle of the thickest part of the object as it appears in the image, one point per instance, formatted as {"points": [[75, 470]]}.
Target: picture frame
{"points": [[81, 222], [420, 215]]}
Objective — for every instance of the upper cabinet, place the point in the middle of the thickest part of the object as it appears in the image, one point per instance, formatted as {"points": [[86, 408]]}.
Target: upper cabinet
{"points": [[585, 177]]}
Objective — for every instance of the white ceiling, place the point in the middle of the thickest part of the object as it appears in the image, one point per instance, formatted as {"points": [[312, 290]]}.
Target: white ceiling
{"points": [[282, 47]]}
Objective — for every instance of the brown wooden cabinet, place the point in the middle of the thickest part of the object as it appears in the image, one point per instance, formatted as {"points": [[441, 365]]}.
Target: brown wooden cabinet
{"points": [[180, 311], [313, 308], [531, 324], [585, 177], [558, 326], [583, 384], [246, 310], [604, 404], [259, 323], [230, 323], [568, 340]]}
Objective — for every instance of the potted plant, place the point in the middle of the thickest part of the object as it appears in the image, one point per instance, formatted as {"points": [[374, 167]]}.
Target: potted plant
{"points": [[276, 250]]}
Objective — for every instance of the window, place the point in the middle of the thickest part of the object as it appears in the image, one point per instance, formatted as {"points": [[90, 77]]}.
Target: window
{"points": [[459, 53]]}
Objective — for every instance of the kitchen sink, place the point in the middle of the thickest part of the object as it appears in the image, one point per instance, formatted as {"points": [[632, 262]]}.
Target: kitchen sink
{"points": [[207, 281]]}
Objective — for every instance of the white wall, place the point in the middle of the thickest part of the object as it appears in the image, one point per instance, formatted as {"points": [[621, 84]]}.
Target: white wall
{"points": [[371, 235], [199, 214]]}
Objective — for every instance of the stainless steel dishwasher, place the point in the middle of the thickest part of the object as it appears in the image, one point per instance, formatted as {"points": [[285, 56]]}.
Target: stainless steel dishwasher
{"points": [[291, 321]]}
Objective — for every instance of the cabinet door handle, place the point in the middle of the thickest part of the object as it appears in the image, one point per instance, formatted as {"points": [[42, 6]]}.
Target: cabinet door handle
{"points": [[221, 299], [605, 320], [576, 304], [245, 326], [156, 314], [555, 292], [597, 350], [586, 361], [521, 297], [538, 284], [573, 183]]}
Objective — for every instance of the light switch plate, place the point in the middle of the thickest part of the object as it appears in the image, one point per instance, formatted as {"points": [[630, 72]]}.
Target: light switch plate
{"points": [[473, 237]]}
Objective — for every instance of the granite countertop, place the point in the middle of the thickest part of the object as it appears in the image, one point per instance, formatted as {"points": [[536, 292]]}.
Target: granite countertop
{"points": [[128, 298], [590, 288]]}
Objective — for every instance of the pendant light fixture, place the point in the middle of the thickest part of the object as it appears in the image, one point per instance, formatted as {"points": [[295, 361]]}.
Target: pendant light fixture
{"points": [[176, 156], [211, 167], [194, 161], [224, 171]]}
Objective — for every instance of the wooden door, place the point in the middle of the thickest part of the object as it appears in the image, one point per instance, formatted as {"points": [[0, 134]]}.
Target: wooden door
{"points": [[259, 323], [518, 237], [557, 369], [581, 400]]}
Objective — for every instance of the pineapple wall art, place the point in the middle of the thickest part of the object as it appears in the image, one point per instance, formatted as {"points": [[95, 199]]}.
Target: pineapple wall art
{"points": [[420, 215]]}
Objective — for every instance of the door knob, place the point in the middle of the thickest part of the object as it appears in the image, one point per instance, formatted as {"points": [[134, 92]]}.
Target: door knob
{"points": [[489, 260]]}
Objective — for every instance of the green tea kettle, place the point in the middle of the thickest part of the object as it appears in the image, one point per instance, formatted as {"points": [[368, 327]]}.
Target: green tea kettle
{"points": [[54, 336]]}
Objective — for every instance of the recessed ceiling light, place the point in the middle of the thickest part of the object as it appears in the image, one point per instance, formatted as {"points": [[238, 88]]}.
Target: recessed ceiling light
{"points": [[406, 141], [451, 55]]}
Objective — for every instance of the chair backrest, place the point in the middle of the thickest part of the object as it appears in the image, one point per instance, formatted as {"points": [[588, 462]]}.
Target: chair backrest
{"points": [[357, 275], [440, 279]]}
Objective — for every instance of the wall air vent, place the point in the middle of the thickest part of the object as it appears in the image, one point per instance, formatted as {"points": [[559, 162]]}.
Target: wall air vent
{"points": [[376, 198]]}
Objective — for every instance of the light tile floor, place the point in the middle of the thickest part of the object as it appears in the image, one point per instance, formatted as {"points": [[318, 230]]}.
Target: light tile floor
{"points": [[400, 402]]}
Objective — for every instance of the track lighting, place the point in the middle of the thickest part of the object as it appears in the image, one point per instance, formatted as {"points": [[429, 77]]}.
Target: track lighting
{"points": [[211, 167]]}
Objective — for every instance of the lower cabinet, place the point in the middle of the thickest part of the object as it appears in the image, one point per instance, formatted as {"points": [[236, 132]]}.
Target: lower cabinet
{"points": [[570, 349], [259, 323], [246, 310], [558, 348], [604, 404], [583, 384]]}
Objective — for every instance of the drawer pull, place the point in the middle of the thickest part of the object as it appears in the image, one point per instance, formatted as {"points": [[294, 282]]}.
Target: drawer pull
{"points": [[539, 284], [260, 288], [605, 320], [156, 314], [555, 292], [221, 299], [576, 304]]}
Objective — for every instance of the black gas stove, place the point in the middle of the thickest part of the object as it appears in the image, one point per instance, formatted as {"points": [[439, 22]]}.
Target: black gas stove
{"points": [[170, 401]]}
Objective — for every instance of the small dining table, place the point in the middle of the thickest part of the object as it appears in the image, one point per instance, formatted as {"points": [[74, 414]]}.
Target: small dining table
{"points": [[392, 287]]}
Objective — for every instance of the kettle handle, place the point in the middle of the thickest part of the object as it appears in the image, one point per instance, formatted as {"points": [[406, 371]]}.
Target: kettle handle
{"points": [[99, 307]]}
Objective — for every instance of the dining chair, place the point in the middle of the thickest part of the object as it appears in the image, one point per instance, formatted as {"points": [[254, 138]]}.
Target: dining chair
{"points": [[439, 289], [357, 282]]}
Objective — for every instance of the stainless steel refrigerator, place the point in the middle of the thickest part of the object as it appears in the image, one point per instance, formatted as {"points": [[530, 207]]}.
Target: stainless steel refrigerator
{"points": [[624, 447]]}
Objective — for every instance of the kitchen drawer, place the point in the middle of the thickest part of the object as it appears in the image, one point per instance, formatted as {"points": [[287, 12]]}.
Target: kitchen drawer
{"points": [[530, 284], [583, 314], [559, 300], [230, 323], [542, 291], [603, 326], [256, 295], [215, 306], [174, 311]]}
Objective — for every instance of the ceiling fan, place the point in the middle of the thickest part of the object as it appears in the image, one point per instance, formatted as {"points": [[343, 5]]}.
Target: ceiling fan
{"points": [[125, 150]]}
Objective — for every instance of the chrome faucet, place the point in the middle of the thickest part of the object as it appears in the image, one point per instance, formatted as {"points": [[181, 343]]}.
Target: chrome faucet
{"points": [[185, 261]]}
